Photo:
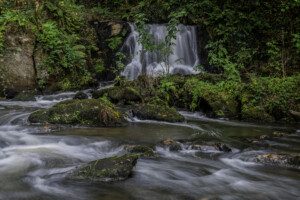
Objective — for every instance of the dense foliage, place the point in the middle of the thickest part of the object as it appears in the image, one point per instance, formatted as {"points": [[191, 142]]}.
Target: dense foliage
{"points": [[253, 45]]}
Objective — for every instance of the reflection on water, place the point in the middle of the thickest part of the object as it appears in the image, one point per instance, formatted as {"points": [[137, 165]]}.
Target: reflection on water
{"points": [[33, 164]]}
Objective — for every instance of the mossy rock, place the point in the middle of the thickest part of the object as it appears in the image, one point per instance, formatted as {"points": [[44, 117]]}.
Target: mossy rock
{"points": [[81, 95], [88, 112], [25, 96], [157, 112], [119, 94], [142, 150], [106, 170], [256, 113], [39, 116], [171, 144]]}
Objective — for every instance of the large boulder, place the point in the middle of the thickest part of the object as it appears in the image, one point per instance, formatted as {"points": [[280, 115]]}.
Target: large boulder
{"points": [[106, 170], [17, 71], [88, 112], [157, 112]]}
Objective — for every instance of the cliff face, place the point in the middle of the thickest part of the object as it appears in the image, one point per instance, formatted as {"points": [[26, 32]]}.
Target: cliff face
{"points": [[17, 63], [22, 61]]}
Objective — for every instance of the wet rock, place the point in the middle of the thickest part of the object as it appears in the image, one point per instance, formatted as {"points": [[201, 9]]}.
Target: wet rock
{"points": [[143, 151], [10, 93], [196, 147], [222, 147], [279, 134], [295, 115], [171, 144], [264, 137], [106, 170], [81, 95], [279, 159], [25, 96], [259, 143], [39, 116], [119, 94], [88, 112], [157, 112]]}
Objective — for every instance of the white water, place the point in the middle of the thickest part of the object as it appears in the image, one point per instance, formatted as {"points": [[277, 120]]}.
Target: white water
{"points": [[33, 164], [183, 60]]}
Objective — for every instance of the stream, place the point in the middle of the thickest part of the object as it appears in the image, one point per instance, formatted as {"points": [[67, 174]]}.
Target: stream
{"points": [[34, 159]]}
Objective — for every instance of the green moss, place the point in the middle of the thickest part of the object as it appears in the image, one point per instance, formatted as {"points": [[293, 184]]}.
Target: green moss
{"points": [[89, 112], [256, 113], [39, 116], [25, 96], [157, 112], [141, 150], [120, 94], [274, 96], [214, 99], [107, 169]]}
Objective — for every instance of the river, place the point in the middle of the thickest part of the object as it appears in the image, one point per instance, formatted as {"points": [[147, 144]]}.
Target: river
{"points": [[34, 160]]}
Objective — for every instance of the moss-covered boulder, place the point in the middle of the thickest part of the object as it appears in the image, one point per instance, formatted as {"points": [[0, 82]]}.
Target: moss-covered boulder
{"points": [[120, 94], [88, 112], [255, 113], [157, 112], [142, 150], [106, 170]]}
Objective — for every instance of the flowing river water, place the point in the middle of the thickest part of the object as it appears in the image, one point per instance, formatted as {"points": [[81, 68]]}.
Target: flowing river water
{"points": [[34, 160]]}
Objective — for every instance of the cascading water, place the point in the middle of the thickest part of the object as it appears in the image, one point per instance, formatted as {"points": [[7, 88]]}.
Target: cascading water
{"points": [[183, 59]]}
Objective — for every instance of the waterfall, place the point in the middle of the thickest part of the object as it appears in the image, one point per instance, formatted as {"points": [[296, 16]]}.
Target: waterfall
{"points": [[183, 59]]}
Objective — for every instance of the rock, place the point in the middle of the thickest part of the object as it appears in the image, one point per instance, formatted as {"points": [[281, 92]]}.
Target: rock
{"points": [[279, 134], [222, 147], [119, 94], [295, 115], [106, 170], [17, 70], [279, 159], [87, 112], [25, 96], [255, 113], [81, 95], [196, 147], [96, 94], [157, 112], [10, 93], [264, 137], [143, 151], [39, 116], [172, 145]]}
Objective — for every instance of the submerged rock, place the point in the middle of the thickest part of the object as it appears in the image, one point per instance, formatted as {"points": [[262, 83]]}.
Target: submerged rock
{"points": [[143, 151], [157, 112], [90, 112], [279, 159], [171, 144], [81, 95], [222, 147], [107, 169]]}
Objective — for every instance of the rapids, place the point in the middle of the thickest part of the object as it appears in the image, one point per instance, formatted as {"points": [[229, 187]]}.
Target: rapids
{"points": [[34, 159]]}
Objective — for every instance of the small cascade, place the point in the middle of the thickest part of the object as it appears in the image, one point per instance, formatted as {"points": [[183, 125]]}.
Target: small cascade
{"points": [[183, 60]]}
